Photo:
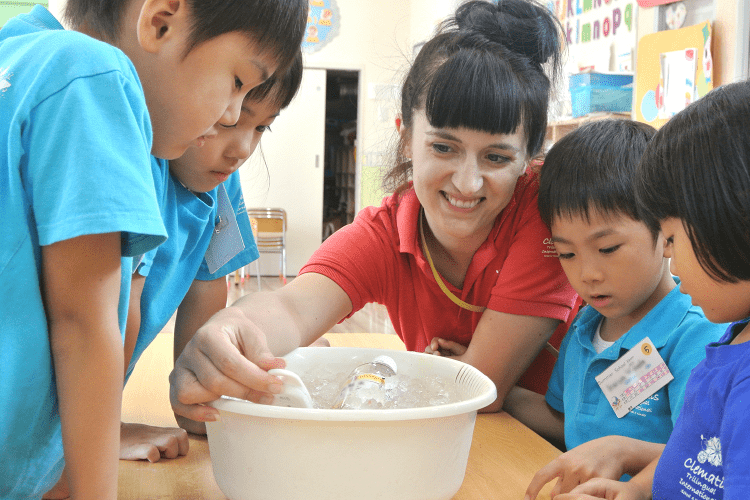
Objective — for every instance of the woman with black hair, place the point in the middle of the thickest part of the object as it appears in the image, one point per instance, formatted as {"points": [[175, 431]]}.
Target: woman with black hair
{"points": [[458, 254]]}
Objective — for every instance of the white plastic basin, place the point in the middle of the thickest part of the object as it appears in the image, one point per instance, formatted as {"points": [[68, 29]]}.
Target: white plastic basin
{"points": [[264, 452]]}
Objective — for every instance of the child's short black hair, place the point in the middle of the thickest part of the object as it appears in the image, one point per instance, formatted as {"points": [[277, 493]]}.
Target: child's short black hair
{"points": [[593, 168], [280, 88], [277, 26], [697, 169]]}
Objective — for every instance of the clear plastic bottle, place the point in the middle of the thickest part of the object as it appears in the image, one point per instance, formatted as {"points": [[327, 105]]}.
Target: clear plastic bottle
{"points": [[365, 387]]}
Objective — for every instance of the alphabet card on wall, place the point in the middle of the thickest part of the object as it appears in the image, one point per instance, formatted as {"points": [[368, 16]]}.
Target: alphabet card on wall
{"points": [[601, 34], [675, 68]]}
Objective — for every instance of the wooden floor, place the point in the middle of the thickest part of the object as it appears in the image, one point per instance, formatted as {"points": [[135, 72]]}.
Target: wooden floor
{"points": [[373, 318]]}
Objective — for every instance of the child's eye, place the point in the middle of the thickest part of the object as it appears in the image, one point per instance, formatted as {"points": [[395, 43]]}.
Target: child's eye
{"points": [[228, 126], [441, 148], [238, 83], [263, 128], [609, 250], [565, 256]]}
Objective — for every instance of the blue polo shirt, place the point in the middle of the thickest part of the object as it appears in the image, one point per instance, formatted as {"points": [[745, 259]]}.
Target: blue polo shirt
{"points": [[678, 330], [76, 142], [190, 219]]}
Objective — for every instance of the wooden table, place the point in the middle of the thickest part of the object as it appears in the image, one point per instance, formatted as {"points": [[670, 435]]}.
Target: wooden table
{"points": [[504, 454]]}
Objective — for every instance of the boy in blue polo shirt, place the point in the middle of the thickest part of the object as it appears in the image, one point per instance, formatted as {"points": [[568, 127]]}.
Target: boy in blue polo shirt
{"points": [[210, 236], [82, 111], [618, 384]]}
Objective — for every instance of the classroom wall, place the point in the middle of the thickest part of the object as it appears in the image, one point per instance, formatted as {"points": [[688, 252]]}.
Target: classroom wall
{"points": [[372, 38]]}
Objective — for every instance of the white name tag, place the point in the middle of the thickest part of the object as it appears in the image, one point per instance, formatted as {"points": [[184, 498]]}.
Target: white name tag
{"points": [[226, 241], [635, 377]]}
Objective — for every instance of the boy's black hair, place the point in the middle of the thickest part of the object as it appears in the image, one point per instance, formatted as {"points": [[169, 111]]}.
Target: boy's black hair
{"points": [[281, 88], [277, 26], [484, 71], [593, 169], [697, 169]]}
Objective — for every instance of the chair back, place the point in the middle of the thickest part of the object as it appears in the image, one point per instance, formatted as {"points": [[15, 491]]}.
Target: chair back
{"points": [[271, 227]]}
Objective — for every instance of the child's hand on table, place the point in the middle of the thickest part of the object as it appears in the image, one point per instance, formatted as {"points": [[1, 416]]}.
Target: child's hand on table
{"points": [[606, 489], [145, 442], [589, 460]]}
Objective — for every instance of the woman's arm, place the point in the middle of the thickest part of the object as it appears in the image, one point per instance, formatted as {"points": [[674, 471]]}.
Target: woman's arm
{"points": [[81, 284], [504, 345], [230, 353]]}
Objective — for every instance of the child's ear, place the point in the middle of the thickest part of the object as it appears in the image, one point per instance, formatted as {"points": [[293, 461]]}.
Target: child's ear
{"points": [[158, 21], [667, 246]]}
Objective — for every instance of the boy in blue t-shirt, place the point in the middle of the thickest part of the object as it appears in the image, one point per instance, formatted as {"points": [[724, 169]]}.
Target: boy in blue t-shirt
{"points": [[187, 273], [618, 383], [79, 200]]}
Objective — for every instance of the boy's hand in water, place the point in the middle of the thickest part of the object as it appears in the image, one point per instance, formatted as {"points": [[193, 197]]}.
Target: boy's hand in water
{"points": [[145, 442], [228, 356]]}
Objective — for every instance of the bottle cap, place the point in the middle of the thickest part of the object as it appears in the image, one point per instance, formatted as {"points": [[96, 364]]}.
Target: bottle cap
{"points": [[387, 361]]}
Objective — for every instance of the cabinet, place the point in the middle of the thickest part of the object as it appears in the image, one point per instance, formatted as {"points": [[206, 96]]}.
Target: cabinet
{"points": [[558, 129]]}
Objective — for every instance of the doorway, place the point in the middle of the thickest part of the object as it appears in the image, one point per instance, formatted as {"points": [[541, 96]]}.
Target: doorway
{"points": [[339, 181]]}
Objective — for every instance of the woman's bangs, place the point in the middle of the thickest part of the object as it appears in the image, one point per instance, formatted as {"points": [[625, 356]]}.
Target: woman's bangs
{"points": [[475, 91]]}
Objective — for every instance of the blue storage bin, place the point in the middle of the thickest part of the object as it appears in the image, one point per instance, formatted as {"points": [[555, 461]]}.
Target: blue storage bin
{"points": [[609, 92]]}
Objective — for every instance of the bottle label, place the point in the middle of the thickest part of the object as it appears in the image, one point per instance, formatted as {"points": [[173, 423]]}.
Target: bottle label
{"points": [[369, 376]]}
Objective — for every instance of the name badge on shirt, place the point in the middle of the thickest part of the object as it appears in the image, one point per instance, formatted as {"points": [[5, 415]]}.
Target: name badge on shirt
{"points": [[226, 241], [635, 377]]}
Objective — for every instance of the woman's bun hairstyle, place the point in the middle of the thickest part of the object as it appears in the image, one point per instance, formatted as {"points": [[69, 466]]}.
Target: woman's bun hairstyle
{"points": [[521, 26]]}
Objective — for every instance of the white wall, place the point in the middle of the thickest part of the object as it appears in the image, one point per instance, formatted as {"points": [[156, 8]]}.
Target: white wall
{"points": [[373, 38]]}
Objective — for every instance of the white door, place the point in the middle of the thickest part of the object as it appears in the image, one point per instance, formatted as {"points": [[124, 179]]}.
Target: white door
{"points": [[293, 180]]}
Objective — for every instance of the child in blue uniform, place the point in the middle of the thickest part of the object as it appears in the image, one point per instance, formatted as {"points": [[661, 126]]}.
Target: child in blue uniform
{"points": [[615, 261], [180, 275], [695, 180], [81, 119]]}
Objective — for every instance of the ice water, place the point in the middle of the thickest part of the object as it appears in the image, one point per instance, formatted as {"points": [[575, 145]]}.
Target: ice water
{"points": [[403, 390]]}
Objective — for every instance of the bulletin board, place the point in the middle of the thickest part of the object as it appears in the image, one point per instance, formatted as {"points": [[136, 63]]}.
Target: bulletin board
{"points": [[323, 22], [654, 51], [12, 8]]}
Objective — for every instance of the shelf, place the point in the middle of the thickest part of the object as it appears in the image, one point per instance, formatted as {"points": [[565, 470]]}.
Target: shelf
{"points": [[556, 130]]}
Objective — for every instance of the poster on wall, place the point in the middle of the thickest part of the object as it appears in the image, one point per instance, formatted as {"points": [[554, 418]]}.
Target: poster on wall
{"points": [[597, 30], [323, 22], [675, 68], [12, 8]]}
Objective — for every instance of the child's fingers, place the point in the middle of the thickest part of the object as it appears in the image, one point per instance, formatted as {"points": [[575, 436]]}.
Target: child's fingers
{"points": [[174, 443], [541, 478], [144, 451]]}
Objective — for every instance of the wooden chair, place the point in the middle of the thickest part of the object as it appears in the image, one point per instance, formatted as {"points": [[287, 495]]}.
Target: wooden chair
{"points": [[271, 235]]}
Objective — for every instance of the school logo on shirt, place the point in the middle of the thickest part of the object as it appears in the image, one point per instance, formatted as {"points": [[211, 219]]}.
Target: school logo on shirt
{"points": [[711, 452], [701, 480], [4, 79], [549, 248]]}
